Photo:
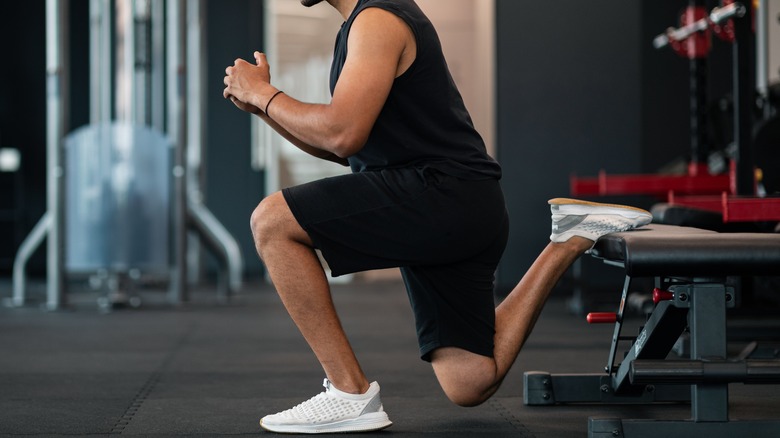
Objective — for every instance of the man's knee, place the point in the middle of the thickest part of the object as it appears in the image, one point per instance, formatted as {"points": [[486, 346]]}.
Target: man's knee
{"points": [[466, 397], [468, 392], [266, 221], [272, 222], [467, 379]]}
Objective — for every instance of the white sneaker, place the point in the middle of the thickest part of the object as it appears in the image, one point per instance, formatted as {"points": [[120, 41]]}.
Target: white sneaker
{"points": [[332, 411], [591, 220]]}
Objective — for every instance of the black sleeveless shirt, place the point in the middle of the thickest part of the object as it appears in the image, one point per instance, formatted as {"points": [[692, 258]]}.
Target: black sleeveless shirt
{"points": [[424, 122]]}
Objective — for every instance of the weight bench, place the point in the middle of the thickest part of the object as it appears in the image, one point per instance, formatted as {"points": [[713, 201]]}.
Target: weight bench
{"points": [[691, 268]]}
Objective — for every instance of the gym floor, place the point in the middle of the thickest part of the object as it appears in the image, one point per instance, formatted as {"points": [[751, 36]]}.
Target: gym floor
{"points": [[211, 369]]}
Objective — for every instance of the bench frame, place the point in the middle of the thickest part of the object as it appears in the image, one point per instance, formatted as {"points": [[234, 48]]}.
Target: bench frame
{"points": [[646, 376]]}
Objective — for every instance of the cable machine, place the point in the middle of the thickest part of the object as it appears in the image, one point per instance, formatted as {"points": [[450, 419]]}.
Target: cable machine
{"points": [[146, 108]]}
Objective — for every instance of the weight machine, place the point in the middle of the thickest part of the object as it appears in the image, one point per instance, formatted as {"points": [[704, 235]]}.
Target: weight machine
{"points": [[732, 195], [158, 100]]}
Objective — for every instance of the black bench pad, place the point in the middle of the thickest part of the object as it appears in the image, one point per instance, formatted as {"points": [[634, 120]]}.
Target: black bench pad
{"points": [[667, 250]]}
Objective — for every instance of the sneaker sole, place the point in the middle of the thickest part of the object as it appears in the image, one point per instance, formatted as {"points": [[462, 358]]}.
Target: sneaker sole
{"points": [[365, 423], [580, 207]]}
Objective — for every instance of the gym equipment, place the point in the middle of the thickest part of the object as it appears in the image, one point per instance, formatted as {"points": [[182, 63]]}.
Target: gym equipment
{"points": [[691, 268], [692, 41], [170, 100], [734, 194], [118, 193]]}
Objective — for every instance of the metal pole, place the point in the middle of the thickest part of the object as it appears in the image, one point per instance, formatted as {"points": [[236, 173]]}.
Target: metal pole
{"points": [[707, 322], [175, 127], [223, 246], [56, 116], [125, 60], [698, 103], [158, 66], [762, 54], [26, 250], [141, 65], [100, 61], [744, 87], [268, 149], [195, 127]]}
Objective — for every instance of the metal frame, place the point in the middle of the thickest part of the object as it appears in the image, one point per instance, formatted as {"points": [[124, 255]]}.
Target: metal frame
{"points": [[176, 130], [645, 377], [732, 195], [654, 341], [708, 374], [100, 54], [50, 224], [733, 208], [184, 78], [57, 103]]}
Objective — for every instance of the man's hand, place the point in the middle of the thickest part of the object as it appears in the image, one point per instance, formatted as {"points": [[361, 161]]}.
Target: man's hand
{"points": [[244, 82], [244, 106]]}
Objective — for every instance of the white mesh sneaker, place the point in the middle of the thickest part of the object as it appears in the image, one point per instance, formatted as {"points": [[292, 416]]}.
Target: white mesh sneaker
{"points": [[591, 220], [332, 411]]}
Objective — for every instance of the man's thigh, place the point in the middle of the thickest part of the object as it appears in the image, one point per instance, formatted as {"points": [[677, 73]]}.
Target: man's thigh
{"points": [[400, 217]]}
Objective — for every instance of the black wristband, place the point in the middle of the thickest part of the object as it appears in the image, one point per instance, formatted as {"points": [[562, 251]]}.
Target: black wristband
{"points": [[271, 100]]}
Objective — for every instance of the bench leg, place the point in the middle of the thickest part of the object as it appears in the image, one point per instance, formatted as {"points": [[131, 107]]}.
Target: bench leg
{"points": [[707, 324]]}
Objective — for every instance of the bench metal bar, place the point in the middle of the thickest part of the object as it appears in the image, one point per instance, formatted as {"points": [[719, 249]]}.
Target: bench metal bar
{"points": [[542, 388], [656, 339], [618, 326], [701, 371], [709, 401]]}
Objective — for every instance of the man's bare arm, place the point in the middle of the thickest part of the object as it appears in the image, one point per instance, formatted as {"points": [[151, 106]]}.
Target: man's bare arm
{"points": [[311, 150], [378, 43], [319, 153]]}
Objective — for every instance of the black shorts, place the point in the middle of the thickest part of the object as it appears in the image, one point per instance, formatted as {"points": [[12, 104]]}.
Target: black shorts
{"points": [[447, 235]]}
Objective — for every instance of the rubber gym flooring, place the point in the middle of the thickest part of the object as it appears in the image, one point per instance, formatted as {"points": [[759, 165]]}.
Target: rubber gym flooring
{"points": [[211, 369]]}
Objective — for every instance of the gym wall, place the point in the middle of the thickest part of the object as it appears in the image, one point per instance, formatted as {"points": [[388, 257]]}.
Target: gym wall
{"points": [[232, 188], [568, 102], [581, 89]]}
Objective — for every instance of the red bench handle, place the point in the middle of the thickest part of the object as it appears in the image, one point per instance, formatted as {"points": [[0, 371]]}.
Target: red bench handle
{"points": [[601, 317]]}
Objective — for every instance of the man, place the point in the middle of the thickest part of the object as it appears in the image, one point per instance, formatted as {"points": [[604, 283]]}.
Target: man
{"points": [[423, 196]]}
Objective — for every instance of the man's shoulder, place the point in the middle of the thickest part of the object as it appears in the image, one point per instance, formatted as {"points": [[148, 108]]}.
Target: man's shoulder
{"points": [[405, 7]]}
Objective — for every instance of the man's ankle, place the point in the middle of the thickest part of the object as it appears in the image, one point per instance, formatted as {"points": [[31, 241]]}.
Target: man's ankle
{"points": [[351, 386]]}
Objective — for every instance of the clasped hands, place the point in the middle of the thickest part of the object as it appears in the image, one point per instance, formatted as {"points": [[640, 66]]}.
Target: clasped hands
{"points": [[244, 82]]}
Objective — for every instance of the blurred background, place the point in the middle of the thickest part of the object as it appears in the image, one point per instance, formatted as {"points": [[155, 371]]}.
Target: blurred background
{"points": [[123, 168]]}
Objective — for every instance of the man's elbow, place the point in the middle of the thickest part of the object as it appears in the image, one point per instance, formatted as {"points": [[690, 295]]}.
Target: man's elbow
{"points": [[348, 144]]}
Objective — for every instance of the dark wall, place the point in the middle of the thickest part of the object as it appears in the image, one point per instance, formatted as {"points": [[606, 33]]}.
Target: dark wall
{"points": [[568, 102], [22, 119], [23, 113], [233, 189], [581, 89]]}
